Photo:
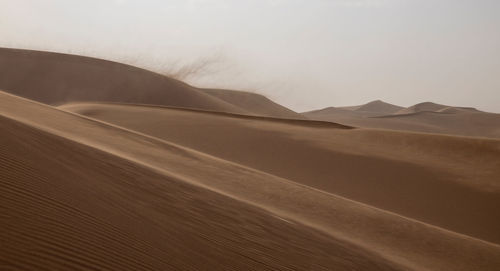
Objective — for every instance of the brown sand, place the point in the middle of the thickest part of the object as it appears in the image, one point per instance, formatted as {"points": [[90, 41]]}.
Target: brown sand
{"points": [[377, 107], [424, 117], [390, 170], [60, 78], [422, 107], [252, 102], [398, 240], [239, 183], [67, 206]]}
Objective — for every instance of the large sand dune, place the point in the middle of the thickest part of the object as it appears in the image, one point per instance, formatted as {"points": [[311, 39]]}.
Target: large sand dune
{"points": [[388, 239], [59, 78], [391, 170], [105, 166], [67, 206]]}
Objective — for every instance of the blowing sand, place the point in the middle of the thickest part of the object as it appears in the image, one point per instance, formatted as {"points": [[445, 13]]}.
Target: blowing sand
{"points": [[60, 78]]}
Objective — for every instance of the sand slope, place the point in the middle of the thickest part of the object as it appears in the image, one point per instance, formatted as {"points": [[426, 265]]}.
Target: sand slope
{"points": [[252, 102], [422, 107], [373, 108], [433, 107], [398, 240], [54, 78], [446, 181], [71, 207], [377, 107]]}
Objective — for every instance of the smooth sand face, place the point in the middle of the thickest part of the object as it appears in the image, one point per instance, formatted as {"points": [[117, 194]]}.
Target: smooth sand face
{"points": [[390, 170], [68, 206], [398, 240], [59, 78], [140, 187]]}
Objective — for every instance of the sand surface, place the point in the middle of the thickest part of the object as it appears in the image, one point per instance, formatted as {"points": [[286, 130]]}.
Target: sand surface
{"points": [[60, 78], [423, 117], [73, 207], [95, 178], [389, 170]]}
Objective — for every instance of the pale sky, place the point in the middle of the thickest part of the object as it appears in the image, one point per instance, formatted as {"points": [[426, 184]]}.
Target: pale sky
{"points": [[304, 54]]}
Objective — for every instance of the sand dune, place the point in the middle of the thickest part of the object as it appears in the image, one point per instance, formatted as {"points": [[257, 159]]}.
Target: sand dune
{"points": [[67, 206], [373, 108], [433, 107], [422, 107], [59, 78], [376, 107], [393, 171], [424, 117], [108, 166], [347, 114], [252, 102], [400, 242]]}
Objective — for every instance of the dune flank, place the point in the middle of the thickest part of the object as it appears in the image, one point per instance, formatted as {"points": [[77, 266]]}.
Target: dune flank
{"points": [[67, 206], [60, 78], [390, 170], [401, 242], [105, 166]]}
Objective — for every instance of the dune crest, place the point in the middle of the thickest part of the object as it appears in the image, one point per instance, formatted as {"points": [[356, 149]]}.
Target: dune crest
{"points": [[373, 108], [389, 170], [98, 211], [60, 78], [378, 107], [424, 117], [106, 166]]}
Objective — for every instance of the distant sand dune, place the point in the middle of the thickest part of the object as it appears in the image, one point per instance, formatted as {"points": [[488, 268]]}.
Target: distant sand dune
{"points": [[378, 107], [373, 108], [424, 117], [422, 107]]}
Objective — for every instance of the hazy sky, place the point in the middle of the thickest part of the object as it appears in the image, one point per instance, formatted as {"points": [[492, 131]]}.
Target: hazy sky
{"points": [[305, 54]]}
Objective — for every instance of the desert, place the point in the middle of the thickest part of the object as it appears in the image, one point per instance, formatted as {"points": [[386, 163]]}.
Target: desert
{"points": [[249, 135]]}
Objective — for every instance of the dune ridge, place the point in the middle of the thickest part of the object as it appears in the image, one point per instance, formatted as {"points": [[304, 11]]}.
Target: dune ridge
{"points": [[421, 107], [56, 78], [253, 102], [87, 109], [97, 211], [373, 108], [400, 240], [378, 107], [424, 117], [390, 170]]}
